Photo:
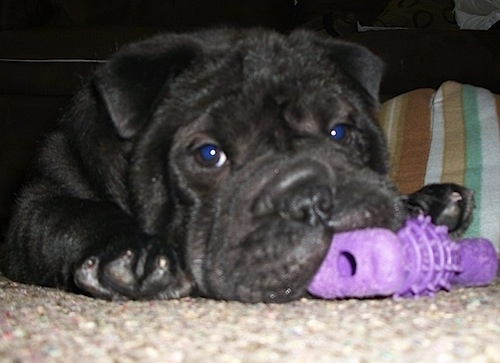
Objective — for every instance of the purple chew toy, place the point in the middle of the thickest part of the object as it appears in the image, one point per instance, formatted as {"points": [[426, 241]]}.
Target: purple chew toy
{"points": [[417, 261]]}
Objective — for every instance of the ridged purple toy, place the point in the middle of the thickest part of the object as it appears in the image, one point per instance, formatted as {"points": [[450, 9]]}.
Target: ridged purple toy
{"points": [[417, 261]]}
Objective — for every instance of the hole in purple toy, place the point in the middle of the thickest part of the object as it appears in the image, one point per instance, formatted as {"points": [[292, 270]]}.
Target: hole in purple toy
{"points": [[346, 264]]}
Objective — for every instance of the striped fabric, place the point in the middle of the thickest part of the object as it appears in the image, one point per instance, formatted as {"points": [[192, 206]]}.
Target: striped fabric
{"points": [[449, 135]]}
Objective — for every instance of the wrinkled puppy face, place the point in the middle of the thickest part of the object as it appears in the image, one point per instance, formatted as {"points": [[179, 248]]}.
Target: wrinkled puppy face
{"points": [[260, 149]]}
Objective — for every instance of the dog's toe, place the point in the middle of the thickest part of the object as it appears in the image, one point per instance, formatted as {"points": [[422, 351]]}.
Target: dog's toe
{"points": [[159, 277], [86, 278], [119, 274]]}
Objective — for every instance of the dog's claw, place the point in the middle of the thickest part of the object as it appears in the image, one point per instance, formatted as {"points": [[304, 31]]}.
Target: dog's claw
{"points": [[90, 262], [162, 262]]}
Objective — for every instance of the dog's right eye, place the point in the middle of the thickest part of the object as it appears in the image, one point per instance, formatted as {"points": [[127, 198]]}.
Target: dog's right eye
{"points": [[210, 155], [339, 132]]}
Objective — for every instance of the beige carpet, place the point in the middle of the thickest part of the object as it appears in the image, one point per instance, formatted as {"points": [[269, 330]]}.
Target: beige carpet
{"points": [[46, 325]]}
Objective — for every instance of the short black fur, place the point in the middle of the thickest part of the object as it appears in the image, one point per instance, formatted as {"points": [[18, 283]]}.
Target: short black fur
{"points": [[216, 163]]}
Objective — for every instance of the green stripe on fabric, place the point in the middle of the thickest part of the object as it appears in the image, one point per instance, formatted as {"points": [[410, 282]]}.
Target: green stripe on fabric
{"points": [[474, 165]]}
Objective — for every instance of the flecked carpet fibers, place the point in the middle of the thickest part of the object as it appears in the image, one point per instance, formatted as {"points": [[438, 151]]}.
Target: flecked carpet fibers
{"points": [[46, 325]]}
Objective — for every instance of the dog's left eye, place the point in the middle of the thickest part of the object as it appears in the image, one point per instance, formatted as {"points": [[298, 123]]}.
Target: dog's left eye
{"points": [[210, 155]]}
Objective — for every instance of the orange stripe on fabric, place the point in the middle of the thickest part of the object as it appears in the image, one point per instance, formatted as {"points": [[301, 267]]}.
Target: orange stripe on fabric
{"points": [[389, 119], [414, 141], [454, 143], [397, 129]]}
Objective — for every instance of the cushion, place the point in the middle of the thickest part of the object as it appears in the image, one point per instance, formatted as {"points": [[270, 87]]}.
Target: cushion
{"points": [[449, 135]]}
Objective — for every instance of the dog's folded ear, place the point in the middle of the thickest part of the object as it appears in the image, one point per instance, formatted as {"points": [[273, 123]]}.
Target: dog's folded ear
{"points": [[131, 81], [359, 63]]}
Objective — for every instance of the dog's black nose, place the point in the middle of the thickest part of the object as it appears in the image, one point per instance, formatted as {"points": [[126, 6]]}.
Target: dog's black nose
{"points": [[300, 193], [311, 204]]}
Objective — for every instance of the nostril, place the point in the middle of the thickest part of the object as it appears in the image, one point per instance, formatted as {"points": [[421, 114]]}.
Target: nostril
{"points": [[322, 198], [263, 206]]}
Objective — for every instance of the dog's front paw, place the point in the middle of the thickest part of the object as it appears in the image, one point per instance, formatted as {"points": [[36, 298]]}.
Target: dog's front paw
{"points": [[133, 273], [448, 204]]}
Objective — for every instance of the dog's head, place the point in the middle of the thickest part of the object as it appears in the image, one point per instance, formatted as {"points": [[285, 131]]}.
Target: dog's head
{"points": [[248, 150]]}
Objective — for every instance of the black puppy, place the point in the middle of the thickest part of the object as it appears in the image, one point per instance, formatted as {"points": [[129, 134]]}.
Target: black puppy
{"points": [[216, 163]]}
